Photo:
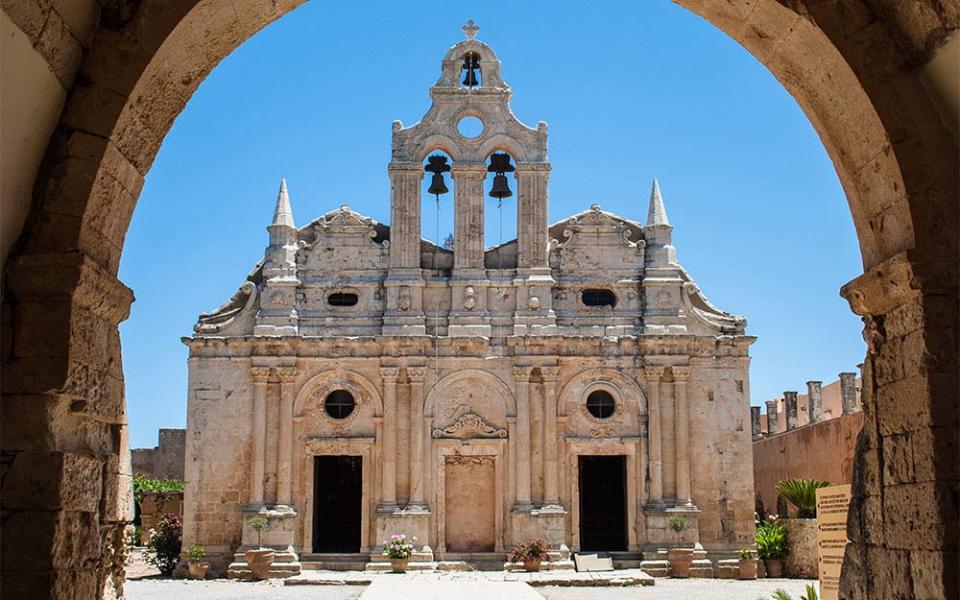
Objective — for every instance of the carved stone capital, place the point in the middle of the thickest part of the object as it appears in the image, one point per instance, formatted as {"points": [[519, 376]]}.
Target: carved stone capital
{"points": [[416, 374], [468, 169], [287, 374], [522, 374], [681, 374], [896, 281], [260, 374], [389, 374], [550, 374], [653, 374]]}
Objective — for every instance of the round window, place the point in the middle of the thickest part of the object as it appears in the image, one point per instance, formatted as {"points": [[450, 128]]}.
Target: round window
{"points": [[339, 404], [470, 127], [601, 404]]}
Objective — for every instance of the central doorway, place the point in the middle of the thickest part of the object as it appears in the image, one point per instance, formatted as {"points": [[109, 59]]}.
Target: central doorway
{"points": [[337, 497], [603, 502]]}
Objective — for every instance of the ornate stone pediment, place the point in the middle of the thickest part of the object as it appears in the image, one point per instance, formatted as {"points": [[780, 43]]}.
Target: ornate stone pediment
{"points": [[470, 425]]}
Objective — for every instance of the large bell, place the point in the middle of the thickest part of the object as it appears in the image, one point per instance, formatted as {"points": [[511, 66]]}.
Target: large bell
{"points": [[437, 164], [437, 185], [500, 189], [471, 63]]}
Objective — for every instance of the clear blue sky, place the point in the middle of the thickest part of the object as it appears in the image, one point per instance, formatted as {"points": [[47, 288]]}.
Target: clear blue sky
{"points": [[631, 90]]}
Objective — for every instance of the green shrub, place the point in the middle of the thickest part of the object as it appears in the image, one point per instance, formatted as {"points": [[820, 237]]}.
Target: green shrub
{"points": [[802, 493], [144, 485], [772, 542], [258, 524], [745, 553], [165, 543], [196, 552]]}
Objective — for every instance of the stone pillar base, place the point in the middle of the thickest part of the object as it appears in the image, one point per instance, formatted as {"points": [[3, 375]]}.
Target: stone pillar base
{"points": [[659, 534], [412, 521], [286, 563], [280, 531], [547, 523]]}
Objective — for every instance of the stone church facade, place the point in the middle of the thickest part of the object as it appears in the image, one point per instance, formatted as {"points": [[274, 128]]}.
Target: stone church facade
{"points": [[573, 384]]}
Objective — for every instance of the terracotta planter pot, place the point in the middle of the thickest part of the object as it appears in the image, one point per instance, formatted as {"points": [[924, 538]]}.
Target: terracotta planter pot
{"points": [[532, 565], [399, 565], [680, 561], [198, 570], [774, 567], [259, 561], [748, 568]]}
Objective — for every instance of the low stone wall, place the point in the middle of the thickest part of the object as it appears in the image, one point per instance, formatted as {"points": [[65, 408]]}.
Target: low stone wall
{"points": [[802, 560]]}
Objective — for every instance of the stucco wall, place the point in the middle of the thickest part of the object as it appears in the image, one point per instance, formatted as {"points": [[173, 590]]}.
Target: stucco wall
{"points": [[823, 450]]}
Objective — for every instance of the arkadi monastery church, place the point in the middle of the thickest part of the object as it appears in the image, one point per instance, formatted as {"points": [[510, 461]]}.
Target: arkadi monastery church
{"points": [[573, 384]]}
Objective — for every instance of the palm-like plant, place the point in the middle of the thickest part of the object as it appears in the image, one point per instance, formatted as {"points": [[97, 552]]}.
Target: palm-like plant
{"points": [[802, 493]]}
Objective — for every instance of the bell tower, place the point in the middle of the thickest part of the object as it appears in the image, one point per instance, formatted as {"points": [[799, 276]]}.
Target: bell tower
{"points": [[470, 85]]}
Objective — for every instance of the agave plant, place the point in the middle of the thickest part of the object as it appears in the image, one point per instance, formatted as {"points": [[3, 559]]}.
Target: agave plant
{"points": [[811, 594], [802, 493]]}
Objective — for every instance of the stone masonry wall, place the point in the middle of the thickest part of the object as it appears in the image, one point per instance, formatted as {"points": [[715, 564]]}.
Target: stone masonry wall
{"points": [[165, 461]]}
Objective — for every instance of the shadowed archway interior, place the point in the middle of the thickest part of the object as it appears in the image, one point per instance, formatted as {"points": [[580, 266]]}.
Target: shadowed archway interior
{"points": [[858, 70]]}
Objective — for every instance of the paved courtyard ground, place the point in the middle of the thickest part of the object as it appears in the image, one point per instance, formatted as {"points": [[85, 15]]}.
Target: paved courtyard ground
{"points": [[664, 589]]}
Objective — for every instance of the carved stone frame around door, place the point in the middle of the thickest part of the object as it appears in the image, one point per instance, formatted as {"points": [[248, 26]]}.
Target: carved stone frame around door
{"points": [[635, 450], [360, 446], [495, 448]]}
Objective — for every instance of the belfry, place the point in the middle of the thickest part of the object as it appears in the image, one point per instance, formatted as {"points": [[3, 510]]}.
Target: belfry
{"points": [[572, 384]]}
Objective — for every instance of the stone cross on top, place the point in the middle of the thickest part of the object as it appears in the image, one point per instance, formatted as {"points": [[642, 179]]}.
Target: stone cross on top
{"points": [[471, 29]]}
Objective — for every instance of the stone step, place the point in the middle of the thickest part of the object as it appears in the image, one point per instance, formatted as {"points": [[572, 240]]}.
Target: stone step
{"points": [[335, 561], [475, 561]]}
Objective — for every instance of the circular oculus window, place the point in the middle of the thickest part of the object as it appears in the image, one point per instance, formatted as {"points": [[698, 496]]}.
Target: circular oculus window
{"points": [[339, 404], [470, 127], [601, 404]]}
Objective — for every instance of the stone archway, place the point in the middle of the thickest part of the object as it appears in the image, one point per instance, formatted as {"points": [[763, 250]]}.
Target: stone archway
{"points": [[854, 67]]}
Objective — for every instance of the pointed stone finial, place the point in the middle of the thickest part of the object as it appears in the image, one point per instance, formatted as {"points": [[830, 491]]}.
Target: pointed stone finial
{"points": [[657, 214], [470, 29], [283, 215]]}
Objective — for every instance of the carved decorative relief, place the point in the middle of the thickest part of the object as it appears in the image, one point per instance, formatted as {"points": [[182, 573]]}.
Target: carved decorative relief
{"points": [[470, 425], [460, 459]]}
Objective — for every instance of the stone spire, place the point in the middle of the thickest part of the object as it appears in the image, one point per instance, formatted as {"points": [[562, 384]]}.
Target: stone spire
{"points": [[283, 214], [657, 213]]}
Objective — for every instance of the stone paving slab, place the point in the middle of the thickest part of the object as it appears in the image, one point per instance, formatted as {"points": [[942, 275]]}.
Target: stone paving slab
{"points": [[424, 588], [621, 578]]}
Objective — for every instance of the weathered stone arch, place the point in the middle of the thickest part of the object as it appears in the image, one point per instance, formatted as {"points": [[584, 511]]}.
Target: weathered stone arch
{"points": [[509, 402], [440, 142], [854, 68], [626, 389], [329, 380], [504, 143]]}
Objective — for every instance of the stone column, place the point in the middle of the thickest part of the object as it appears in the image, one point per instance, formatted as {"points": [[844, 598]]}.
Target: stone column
{"points": [[848, 392], [405, 178], [260, 375], [773, 426], [285, 443], [653, 410], [790, 408], [551, 496], [682, 428], [417, 495], [815, 400], [755, 422], [532, 215], [522, 377], [468, 220], [388, 492]]}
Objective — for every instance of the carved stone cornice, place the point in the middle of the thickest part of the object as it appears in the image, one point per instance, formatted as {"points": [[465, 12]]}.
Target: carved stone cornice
{"points": [[260, 374]]}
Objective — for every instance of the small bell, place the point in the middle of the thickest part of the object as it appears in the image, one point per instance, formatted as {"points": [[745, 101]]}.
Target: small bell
{"points": [[471, 63], [500, 164], [437, 164]]}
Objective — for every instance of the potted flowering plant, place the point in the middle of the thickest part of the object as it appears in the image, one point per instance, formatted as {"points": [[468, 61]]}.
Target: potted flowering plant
{"points": [[198, 569], [259, 559], [748, 563], [531, 554], [680, 558], [398, 549]]}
